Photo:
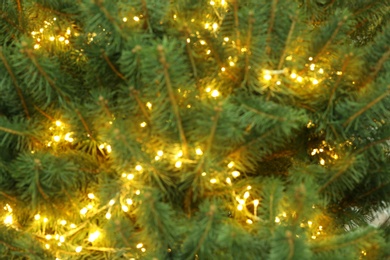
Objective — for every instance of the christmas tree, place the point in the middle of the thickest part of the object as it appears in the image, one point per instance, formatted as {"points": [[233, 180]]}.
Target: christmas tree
{"points": [[191, 129]]}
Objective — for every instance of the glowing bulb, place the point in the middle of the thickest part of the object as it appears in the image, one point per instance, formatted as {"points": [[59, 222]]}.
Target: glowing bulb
{"points": [[160, 153], [125, 208], [310, 223], [52, 38], [198, 151], [228, 180], [213, 181], [321, 71], [202, 42], [62, 239], [235, 174], [256, 203], [66, 41], [143, 250], [78, 249], [56, 138], [61, 39], [94, 236], [45, 220], [231, 63], [108, 215], [63, 222], [278, 82], [299, 79], [249, 221], [68, 31], [47, 246], [138, 168], [315, 81], [277, 220], [37, 46], [91, 196], [289, 57], [204, 174], [111, 202], [240, 207], [223, 2], [249, 187], [312, 66], [130, 176], [223, 69], [246, 195], [178, 164], [188, 40], [83, 211], [73, 225], [137, 192], [320, 227], [208, 52], [310, 58], [212, 3], [207, 25], [41, 30], [140, 245], [339, 73], [8, 220], [149, 105], [313, 237], [108, 148], [226, 39], [143, 124], [322, 161], [37, 217], [215, 26], [230, 165], [124, 19], [136, 18], [293, 75], [215, 93], [242, 202], [129, 201], [48, 237], [267, 77]]}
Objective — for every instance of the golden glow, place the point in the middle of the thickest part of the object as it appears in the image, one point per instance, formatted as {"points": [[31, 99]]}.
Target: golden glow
{"points": [[212, 3], [312, 66], [111, 202], [149, 105], [246, 195], [277, 220], [278, 82], [62, 239], [249, 221], [37, 46], [83, 211], [78, 249], [249, 187], [8, 220], [299, 79], [213, 180], [94, 236], [108, 215], [321, 71], [56, 138], [91, 196], [231, 63], [108, 148], [313, 237], [61, 39], [73, 225], [230, 165], [267, 77], [129, 201], [315, 81], [143, 250], [202, 42], [47, 246], [136, 18], [208, 52], [63, 222], [125, 208], [235, 174], [45, 220], [289, 58], [130, 176], [143, 124], [138, 168], [215, 26], [293, 75], [310, 58], [198, 151], [37, 217], [207, 25], [48, 237], [137, 192], [310, 223], [226, 39], [228, 180], [215, 93], [240, 207], [339, 73], [204, 174], [223, 69], [124, 19], [178, 164], [322, 161], [160, 153], [256, 203]]}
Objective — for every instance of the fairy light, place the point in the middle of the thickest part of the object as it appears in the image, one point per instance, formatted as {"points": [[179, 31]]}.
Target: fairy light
{"points": [[289, 58], [125, 208], [230, 165], [8, 220], [124, 19], [129, 201], [83, 211], [322, 161], [208, 52], [78, 249], [249, 187], [198, 151], [293, 75], [202, 42], [45, 220], [108, 215], [94, 236], [62, 239], [278, 82], [52, 38], [61, 39], [91, 196], [315, 81], [215, 93], [310, 58], [178, 164], [223, 69], [37, 46], [138, 168], [267, 77], [66, 41], [215, 26], [48, 237], [207, 25], [130, 176], [312, 66], [299, 79], [240, 207], [339, 73], [37, 217], [143, 250], [321, 71], [204, 174], [89, 206], [108, 148], [160, 153], [235, 174], [255, 204], [188, 40], [56, 138], [73, 226], [111, 202], [310, 223], [63, 222], [228, 180], [223, 2], [149, 105], [212, 3], [231, 63], [136, 18], [246, 195], [47, 246], [226, 39], [249, 221], [137, 192], [313, 237], [139, 245], [213, 181], [277, 220], [143, 124]]}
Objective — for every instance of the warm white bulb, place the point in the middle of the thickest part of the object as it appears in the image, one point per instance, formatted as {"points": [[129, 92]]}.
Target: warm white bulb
{"points": [[213, 181], [235, 174], [91, 196], [94, 236], [138, 168], [78, 249], [198, 151]]}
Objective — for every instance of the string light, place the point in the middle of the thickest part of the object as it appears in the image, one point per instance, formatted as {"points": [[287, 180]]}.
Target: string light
{"points": [[215, 93], [124, 19], [235, 174], [63, 222], [143, 124], [249, 221], [138, 168], [94, 236], [140, 245], [213, 181], [130, 176], [315, 81], [83, 211], [111, 202], [108, 215], [8, 220], [78, 249], [160, 153], [37, 217], [230, 165], [125, 208], [149, 105], [277, 220], [246, 195], [129, 201], [198, 151], [178, 164], [136, 18], [91, 196]]}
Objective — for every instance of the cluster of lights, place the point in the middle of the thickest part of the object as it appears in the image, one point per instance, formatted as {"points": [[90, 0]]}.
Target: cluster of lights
{"points": [[8, 218], [325, 148], [40, 36], [59, 134]]}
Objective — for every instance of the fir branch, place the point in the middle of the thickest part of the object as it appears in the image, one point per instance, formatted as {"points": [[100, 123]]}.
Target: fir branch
{"points": [[84, 124], [280, 119], [191, 57], [367, 107], [207, 229], [377, 68], [271, 25], [290, 241], [251, 20], [20, 12], [146, 16], [288, 40], [115, 70], [5, 18], [373, 190], [338, 174], [44, 114], [11, 131], [236, 25], [15, 81], [172, 98], [8, 196], [141, 105], [99, 3]]}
